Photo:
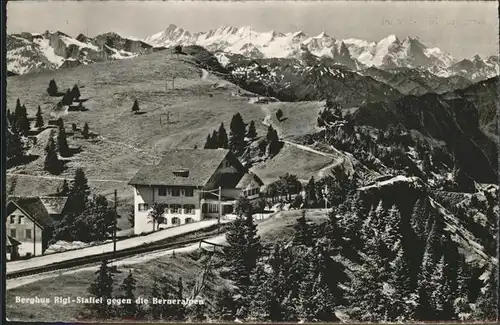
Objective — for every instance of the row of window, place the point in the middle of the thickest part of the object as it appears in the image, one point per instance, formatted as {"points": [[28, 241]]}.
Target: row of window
{"points": [[19, 219], [251, 192], [176, 221], [172, 208], [175, 191], [13, 233]]}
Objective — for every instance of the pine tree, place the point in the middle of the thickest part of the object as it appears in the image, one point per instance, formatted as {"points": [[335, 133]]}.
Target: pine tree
{"points": [[303, 233], [252, 131], [208, 143], [62, 143], [85, 131], [39, 118], [52, 90], [16, 147], [21, 118], [179, 309], [225, 305], [272, 139], [75, 92], [130, 309], [279, 114], [487, 302], [167, 310], [155, 309], [222, 141], [311, 199], [64, 190], [237, 134], [102, 287], [441, 296], [52, 163], [79, 196], [67, 98], [135, 107], [10, 118]]}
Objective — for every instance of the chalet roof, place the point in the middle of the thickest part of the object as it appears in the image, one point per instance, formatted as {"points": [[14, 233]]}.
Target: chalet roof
{"points": [[9, 241], [200, 165], [247, 179], [33, 207], [54, 204]]}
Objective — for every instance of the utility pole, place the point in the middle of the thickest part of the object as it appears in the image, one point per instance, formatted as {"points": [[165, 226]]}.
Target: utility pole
{"points": [[326, 198], [114, 226], [220, 209]]}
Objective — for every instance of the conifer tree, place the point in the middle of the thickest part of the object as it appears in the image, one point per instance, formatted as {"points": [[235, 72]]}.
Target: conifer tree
{"points": [[10, 118], [67, 98], [225, 307], [129, 310], [52, 90], [102, 287], [222, 141], [208, 144], [21, 118], [237, 134], [311, 198], [16, 147], [272, 139], [62, 142], [487, 302], [279, 114], [441, 296], [64, 190], [303, 233], [52, 164], [167, 310], [39, 118], [85, 131], [80, 192], [75, 92], [135, 107], [252, 131], [155, 309], [179, 309]]}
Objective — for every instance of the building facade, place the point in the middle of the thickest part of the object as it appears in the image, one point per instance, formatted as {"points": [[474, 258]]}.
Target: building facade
{"points": [[30, 222], [193, 184]]}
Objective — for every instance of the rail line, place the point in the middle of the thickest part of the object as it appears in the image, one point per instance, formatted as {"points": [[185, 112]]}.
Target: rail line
{"points": [[145, 248]]}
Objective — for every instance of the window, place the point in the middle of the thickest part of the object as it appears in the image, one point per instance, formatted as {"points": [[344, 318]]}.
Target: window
{"points": [[28, 233], [13, 233], [176, 221], [189, 208], [143, 207], [176, 192], [162, 191], [19, 219], [212, 208], [188, 192], [12, 219], [189, 220], [175, 208]]}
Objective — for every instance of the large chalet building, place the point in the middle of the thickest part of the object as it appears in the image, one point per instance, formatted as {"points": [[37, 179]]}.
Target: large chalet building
{"points": [[188, 182]]}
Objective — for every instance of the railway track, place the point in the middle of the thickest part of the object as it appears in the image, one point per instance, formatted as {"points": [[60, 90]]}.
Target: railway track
{"points": [[80, 261]]}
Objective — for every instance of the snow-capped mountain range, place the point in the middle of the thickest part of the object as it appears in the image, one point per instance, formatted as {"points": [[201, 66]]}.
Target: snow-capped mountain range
{"points": [[390, 52], [30, 52]]}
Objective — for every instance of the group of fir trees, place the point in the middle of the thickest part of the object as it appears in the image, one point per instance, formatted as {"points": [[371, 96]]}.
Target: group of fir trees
{"points": [[18, 129], [52, 163], [68, 97], [272, 141], [87, 218], [236, 139], [283, 188], [218, 139], [162, 289], [103, 288]]}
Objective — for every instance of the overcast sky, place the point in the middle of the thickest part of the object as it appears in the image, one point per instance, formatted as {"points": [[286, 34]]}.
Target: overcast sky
{"points": [[460, 28]]}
